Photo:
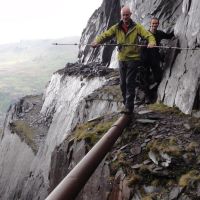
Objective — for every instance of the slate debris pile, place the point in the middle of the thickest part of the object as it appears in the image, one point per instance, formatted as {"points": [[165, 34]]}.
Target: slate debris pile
{"points": [[157, 157], [89, 70]]}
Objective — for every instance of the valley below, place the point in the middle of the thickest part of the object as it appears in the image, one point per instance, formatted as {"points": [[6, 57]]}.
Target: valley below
{"points": [[27, 66]]}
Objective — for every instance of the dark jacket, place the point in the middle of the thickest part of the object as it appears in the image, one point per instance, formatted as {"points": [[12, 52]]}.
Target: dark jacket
{"points": [[160, 35], [148, 53]]}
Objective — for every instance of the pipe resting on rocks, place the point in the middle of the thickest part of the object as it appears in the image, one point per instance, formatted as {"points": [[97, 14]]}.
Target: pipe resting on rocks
{"points": [[72, 184]]}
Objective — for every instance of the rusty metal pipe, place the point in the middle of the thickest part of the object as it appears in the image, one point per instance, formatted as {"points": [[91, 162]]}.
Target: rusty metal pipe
{"points": [[72, 184]]}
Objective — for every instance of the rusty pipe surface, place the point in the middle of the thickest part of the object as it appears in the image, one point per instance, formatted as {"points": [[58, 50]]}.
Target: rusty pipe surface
{"points": [[72, 184]]}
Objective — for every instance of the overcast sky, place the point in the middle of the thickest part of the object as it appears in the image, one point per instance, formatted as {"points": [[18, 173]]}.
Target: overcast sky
{"points": [[43, 19]]}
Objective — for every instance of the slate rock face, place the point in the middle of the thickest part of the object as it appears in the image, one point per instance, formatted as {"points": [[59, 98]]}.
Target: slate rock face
{"points": [[180, 84], [107, 15]]}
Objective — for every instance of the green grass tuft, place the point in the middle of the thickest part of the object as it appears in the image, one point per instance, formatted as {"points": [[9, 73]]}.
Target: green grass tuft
{"points": [[25, 132], [159, 107]]}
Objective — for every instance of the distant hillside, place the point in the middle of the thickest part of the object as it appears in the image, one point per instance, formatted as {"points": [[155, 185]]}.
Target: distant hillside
{"points": [[26, 67]]}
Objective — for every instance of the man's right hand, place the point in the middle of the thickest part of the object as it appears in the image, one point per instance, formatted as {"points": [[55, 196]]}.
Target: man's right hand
{"points": [[94, 44], [151, 45]]}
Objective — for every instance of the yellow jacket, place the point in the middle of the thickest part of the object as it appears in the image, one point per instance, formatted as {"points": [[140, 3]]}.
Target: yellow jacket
{"points": [[131, 37]]}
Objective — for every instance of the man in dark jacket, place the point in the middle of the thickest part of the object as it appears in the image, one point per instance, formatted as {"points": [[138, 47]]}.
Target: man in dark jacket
{"points": [[127, 33], [151, 57]]}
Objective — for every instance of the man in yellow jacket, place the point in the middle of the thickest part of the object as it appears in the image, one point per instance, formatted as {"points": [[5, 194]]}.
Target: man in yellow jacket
{"points": [[127, 34]]}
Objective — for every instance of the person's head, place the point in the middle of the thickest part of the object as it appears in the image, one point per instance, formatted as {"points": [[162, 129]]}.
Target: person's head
{"points": [[126, 14], [154, 23]]}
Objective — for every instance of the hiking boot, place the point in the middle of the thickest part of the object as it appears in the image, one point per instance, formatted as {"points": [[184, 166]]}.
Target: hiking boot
{"points": [[147, 100], [126, 111], [138, 103], [132, 119]]}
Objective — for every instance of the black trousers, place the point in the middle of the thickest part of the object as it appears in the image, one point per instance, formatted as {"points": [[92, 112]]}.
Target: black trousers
{"points": [[154, 65], [128, 71], [151, 59]]}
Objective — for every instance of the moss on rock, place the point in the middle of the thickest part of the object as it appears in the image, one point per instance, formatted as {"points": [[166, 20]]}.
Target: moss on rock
{"points": [[189, 179], [92, 131], [25, 132], [159, 107], [168, 146]]}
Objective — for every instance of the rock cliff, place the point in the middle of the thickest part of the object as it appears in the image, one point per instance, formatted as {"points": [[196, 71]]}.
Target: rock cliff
{"points": [[46, 135], [36, 125]]}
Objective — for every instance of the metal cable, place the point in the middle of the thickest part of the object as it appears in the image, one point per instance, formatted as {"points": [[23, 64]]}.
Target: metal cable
{"points": [[138, 45]]}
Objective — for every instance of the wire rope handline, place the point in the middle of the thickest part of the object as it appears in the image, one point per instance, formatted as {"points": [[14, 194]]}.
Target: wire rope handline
{"points": [[138, 45]]}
